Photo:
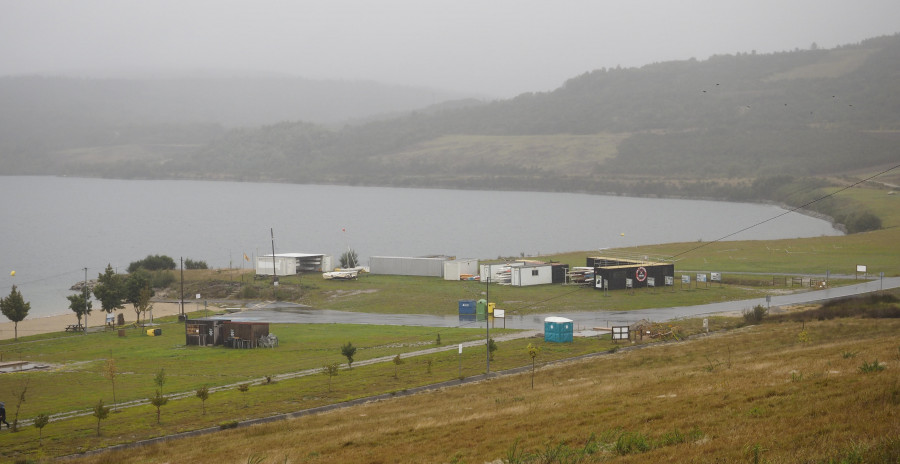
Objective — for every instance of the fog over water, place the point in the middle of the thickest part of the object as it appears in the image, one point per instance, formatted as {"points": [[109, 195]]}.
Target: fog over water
{"points": [[55, 227]]}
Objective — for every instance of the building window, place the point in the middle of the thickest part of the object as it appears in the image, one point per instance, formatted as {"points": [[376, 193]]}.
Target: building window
{"points": [[534, 272]]}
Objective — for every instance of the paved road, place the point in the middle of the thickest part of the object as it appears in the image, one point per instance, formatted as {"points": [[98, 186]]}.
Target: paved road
{"points": [[293, 313]]}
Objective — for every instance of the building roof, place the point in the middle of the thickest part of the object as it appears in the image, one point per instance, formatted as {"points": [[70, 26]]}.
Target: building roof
{"points": [[294, 255]]}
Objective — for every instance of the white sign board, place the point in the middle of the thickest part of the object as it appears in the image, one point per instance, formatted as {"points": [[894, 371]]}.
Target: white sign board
{"points": [[685, 279], [628, 283], [701, 277], [620, 333], [715, 276], [460, 348], [651, 281], [860, 268], [670, 280], [499, 312], [198, 296]]}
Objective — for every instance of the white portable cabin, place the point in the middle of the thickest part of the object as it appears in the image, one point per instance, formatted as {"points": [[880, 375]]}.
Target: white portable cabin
{"points": [[531, 274], [291, 263], [455, 268]]}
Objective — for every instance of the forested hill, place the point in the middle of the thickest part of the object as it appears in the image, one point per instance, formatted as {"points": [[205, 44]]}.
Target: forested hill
{"points": [[804, 112], [719, 127]]}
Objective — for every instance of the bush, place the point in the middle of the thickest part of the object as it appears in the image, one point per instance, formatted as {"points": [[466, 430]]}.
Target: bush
{"points": [[162, 279], [228, 425], [249, 292], [632, 442], [191, 264], [755, 315], [862, 222], [874, 366], [152, 263]]}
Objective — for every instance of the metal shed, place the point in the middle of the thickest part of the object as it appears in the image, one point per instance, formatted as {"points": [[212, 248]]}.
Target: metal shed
{"points": [[292, 263], [426, 266], [460, 269]]}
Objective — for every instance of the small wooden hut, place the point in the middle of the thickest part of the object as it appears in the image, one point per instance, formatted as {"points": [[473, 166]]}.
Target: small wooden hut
{"points": [[232, 334]]}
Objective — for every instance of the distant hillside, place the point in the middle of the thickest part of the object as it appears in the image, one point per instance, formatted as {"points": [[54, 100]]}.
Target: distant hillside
{"points": [[724, 127], [811, 112], [41, 116]]}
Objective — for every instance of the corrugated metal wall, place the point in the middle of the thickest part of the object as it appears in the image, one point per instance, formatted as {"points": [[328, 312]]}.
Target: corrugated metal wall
{"points": [[399, 265]]}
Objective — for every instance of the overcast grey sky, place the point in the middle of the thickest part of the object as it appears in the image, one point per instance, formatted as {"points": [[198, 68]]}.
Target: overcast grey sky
{"points": [[497, 48]]}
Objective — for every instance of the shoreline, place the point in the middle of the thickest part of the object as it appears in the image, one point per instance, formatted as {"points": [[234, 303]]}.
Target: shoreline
{"points": [[97, 318]]}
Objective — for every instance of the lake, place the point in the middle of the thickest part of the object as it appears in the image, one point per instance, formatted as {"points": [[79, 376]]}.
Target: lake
{"points": [[54, 227]]}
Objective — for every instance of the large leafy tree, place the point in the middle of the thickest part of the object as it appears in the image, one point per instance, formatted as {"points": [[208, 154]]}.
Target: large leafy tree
{"points": [[15, 308], [138, 292], [80, 304], [110, 290]]}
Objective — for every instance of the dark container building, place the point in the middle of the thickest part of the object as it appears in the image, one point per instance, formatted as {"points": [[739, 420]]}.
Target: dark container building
{"points": [[616, 273]]}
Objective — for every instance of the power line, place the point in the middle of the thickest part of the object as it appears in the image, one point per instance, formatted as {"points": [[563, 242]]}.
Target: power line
{"points": [[787, 212]]}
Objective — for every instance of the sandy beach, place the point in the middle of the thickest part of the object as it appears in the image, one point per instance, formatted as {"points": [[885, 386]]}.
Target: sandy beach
{"points": [[97, 318]]}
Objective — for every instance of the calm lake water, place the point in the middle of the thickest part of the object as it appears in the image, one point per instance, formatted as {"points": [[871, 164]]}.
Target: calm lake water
{"points": [[54, 227]]}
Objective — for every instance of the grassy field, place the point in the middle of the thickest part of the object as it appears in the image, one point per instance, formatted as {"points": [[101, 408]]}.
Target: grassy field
{"points": [[777, 392], [79, 360], [75, 381]]}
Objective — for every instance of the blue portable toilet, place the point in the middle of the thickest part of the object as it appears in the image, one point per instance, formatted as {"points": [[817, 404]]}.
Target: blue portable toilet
{"points": [[558, 329]]}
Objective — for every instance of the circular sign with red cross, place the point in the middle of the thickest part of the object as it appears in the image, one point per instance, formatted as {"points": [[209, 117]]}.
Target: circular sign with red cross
{"points": [[640, 274]]}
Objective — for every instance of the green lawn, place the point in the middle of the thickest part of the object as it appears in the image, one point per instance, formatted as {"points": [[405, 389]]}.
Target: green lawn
{"points": [[74, 380]]}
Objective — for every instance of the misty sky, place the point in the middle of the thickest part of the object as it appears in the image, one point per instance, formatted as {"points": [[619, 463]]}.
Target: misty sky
{"points": [[496, 48]]}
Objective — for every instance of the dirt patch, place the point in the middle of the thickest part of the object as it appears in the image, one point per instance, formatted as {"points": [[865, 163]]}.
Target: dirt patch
{"points": [[347, 293]]}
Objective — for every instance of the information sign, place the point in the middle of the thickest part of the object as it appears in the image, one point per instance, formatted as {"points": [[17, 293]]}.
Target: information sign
{"points": [[640, 274], [620, 332]]}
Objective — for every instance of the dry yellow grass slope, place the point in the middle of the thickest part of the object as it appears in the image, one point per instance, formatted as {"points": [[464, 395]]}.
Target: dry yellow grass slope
{"points": [[785, 392]]}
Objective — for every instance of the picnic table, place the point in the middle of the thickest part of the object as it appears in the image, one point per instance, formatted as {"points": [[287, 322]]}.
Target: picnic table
{"points": [[74, 328]]}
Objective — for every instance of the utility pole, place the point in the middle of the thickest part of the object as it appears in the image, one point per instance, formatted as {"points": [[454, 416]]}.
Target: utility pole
{"points": [[274, 270], [487, 322], [85, 294], [182, 288]]}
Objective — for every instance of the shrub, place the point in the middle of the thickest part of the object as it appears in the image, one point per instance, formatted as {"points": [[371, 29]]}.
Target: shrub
{"points": [[874, 366], [632, 442], [162, 279], [862, 222], [191, 264], [755, 315], [228, 425], [249, 292], [152, 263]]}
